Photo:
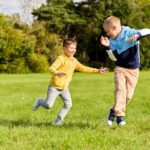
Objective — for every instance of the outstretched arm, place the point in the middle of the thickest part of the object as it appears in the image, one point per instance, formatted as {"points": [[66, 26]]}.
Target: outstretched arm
{"points": [[82, 68], [142, 33]]}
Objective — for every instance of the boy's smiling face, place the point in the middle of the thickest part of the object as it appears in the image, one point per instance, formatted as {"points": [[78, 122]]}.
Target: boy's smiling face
{"points": [[70, 50]]}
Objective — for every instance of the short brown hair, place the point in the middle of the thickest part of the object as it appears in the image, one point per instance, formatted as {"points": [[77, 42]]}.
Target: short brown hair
{"points": [[112, 20], [68, 41]]}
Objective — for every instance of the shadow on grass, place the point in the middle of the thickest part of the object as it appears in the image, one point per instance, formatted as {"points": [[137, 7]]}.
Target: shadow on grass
{"points": [[21, 123], [28, 123], [147, 129]]}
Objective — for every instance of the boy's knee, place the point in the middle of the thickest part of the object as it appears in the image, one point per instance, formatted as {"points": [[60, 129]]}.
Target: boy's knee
{"points": [[69, 105]]}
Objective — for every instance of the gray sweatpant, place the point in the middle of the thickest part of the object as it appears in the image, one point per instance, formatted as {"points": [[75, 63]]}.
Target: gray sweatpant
{"points": [[52, 93]]}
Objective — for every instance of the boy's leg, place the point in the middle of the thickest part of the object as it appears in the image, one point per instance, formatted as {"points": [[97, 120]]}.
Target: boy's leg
{"points": [[132, 79], [120, 92], [52, 93], [65, 96]]}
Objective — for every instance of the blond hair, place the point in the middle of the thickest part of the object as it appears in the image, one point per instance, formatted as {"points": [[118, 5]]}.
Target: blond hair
{"points": [[112, 20]]}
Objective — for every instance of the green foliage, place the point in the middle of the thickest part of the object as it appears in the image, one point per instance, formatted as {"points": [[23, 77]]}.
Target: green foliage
{"points": [[145, 53], [48, 44], [17, 49], [61, 19], [18, 65], [55, 45], [38, 63], [60, 16], [84, 22], [31, 46], [15, 46]]}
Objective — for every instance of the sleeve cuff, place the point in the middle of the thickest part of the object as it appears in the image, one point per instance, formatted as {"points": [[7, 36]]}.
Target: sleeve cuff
{"points": [[108, 48], [139, 36], [111, 55]]}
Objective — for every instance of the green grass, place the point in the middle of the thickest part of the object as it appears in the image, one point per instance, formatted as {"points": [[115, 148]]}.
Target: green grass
{"points": [[84, 126]]}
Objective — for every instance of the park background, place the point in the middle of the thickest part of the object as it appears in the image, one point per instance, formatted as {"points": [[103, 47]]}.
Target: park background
{"points": [[29, 47]]}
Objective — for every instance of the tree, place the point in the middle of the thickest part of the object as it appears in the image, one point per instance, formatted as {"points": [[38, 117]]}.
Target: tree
{"points": [[60, 16], [48, 44], [84, 21], [17, 50]]}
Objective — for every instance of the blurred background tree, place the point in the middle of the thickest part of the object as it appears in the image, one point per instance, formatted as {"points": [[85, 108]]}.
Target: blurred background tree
{"points": [[32, 48]]}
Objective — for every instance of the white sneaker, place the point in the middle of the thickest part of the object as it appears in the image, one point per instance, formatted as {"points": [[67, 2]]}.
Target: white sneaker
{"points": [[121, 123], [111, 117], [57, 123], [109, 123], [36, 104]]}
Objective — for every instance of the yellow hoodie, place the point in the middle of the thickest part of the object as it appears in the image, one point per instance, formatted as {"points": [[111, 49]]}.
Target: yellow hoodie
{"points": [[66, 65]]}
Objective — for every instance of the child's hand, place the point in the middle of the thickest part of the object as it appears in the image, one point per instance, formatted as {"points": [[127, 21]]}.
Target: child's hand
{"points": [[104, 41], [61, 74], [133, 38], [103, 70]]}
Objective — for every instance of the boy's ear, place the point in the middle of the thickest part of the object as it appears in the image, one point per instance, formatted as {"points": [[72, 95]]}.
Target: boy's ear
{"points": [[114, 27]]}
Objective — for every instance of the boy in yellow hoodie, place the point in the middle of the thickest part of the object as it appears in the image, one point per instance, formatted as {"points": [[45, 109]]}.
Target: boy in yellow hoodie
{"points": [[62, 70]]}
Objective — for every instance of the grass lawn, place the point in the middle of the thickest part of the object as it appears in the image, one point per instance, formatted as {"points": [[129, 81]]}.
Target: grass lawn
{"points": [[85, 125]]}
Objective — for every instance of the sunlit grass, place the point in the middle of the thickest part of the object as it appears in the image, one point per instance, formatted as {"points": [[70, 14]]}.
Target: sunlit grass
{"points": [[84, 126]]}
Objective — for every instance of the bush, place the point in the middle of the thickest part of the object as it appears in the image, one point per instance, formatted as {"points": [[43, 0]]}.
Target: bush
{"points": [[38, 63], [3, 68], [18, 65]]}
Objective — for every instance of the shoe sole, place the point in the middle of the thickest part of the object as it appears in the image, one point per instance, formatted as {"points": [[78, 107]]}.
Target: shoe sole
{"points": [[57, 124], [33, 108], [35, 105], [109, 123], [121, 124]]}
